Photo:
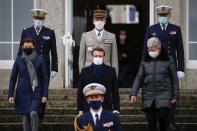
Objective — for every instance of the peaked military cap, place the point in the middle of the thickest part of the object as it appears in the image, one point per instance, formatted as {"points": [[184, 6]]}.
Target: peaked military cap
{"points": [[39, 13], [163, 9], [94, 89], [100, 13]]}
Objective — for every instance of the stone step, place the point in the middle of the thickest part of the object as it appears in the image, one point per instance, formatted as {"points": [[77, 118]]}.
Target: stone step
{"points": [[69, 126], [121, 91], [123, 103], [70, 118], [184, 97], [124, 111]]}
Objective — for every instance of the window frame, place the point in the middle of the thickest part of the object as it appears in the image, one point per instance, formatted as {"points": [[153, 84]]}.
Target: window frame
{"points": [[8, 64], [190, 64]]}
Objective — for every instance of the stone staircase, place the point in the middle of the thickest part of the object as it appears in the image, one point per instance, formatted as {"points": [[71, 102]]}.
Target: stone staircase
{"points": [[61, 110]]}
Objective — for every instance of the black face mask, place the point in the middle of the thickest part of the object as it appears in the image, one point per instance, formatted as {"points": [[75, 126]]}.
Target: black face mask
{"points": [[28, 51]]}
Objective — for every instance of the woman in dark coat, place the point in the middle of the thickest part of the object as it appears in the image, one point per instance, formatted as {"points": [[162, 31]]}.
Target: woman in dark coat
{"points": [[29, 73], [160, 87]]}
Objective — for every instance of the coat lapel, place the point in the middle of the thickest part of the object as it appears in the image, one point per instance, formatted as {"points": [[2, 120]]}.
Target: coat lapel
{"points": [[90, 118], [33, 32]]}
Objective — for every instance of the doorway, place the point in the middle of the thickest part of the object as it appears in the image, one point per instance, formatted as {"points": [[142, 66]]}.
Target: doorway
{"points": [[135, 26]]}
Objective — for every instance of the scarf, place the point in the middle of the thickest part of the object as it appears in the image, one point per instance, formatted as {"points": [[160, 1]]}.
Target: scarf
{"points": [[31, 70]]}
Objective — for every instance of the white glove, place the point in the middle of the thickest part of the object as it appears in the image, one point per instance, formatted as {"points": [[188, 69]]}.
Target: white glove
{"points": [[181, 75], [116, 112], [53, 74]]}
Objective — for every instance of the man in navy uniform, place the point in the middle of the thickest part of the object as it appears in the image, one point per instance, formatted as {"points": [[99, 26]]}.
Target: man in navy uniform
{"points": [[99, 72], [45, 41], [171, 38], [97, 118]]}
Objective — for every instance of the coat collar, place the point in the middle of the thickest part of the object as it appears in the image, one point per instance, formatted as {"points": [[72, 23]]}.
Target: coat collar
{"points": [[93, 33]]}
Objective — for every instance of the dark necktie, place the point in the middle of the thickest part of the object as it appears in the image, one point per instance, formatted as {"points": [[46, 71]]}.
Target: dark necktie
{"points": [[37, 30], [99, 35], [97, 120]]}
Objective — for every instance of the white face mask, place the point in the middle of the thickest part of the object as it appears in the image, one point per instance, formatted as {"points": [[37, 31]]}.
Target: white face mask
{"points": [[99, 25], [153, 54], [98, 61], [38, 23]]}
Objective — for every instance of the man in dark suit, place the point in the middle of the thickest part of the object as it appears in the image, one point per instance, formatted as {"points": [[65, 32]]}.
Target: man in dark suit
{"points": [[171, 39], [45, 41], [97, 118], [98, 72]]}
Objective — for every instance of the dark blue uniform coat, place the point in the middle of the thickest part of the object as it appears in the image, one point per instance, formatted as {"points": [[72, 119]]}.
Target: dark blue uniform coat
{"points": [[25, 99], [171, 40], [108, 121], [108, 78], [45, 43]]}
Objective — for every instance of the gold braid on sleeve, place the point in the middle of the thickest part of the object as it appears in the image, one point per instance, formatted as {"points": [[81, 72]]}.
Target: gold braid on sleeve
{"points": [[85, 128]]}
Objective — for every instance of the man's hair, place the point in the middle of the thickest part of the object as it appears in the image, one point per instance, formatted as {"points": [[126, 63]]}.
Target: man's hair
{"points": [[28, 40], [98, 49]]}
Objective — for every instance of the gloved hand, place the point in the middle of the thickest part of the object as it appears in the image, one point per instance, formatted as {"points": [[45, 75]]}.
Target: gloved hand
{"points": [[181, 75], [116, 112], [53, 74]]}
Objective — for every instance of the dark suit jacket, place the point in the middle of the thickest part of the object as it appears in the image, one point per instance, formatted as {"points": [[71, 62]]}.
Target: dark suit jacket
{"points": [[108, 79], [108, 121], [171, 40], [45, 43]]}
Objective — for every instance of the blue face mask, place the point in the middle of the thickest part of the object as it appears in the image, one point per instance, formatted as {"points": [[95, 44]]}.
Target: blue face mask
{"points": [[38, 23], [95, 104], [163, 20]]}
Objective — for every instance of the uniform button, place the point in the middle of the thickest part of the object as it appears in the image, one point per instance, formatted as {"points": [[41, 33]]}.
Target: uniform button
{"points": [[41, 50], [40, 55], [168, 47], [41, 45], [168, 51]]}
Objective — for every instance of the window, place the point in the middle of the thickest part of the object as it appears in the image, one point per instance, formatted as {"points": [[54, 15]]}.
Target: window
{"points": [[14, 16], [191, 34]]}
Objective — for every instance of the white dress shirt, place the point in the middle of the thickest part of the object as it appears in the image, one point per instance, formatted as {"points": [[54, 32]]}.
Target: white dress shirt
{"points": [[163, 27], [97, 32], [94, 114]]}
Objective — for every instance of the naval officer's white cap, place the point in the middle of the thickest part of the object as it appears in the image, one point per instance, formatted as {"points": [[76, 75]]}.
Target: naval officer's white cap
{"points": [[163, 9], [94, 89], [39, 13]]}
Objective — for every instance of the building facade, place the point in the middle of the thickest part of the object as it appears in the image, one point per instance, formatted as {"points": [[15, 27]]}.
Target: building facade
{"points": [[60, 18]]}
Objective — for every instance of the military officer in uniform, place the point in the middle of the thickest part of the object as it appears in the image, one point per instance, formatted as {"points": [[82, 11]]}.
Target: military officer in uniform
{"points": [[98, 37], [45, 40], [171, 39], [97, 118]]}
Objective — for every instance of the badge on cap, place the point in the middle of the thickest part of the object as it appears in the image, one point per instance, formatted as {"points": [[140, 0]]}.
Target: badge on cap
{"points": [[39, 13]]}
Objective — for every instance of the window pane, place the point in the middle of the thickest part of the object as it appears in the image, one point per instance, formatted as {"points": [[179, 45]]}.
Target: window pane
{"points": [[192, 51], [22, 16], [15, 50], [5, 20], [192, 20], [5, 51]]}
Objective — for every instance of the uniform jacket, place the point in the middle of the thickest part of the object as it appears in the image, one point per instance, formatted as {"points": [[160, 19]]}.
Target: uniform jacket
{"points": [[159, 81], [108, 121], [46, 43], [171, 39], [25, 99], [108, 79], [89, 41]]}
